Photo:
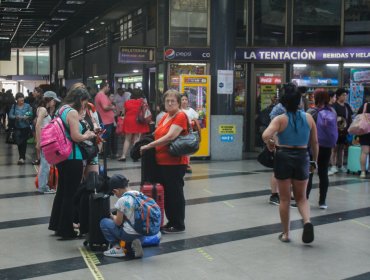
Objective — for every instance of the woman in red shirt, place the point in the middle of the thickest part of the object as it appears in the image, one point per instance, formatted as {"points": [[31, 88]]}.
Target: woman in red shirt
{"points": [[131, 128], [172, 169]]}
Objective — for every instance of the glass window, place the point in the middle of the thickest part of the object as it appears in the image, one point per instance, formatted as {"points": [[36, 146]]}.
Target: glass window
{"points": [[241, 22], [357, 22], [316, 23], [35, 61], [188, 22], [269, 22]]}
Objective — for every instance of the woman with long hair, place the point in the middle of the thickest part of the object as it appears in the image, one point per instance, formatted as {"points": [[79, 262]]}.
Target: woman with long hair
{"points": [[70, 170], [44, 114], [295, 130]]}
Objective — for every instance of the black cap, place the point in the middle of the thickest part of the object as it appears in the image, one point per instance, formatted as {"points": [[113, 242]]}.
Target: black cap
{"points": [[117, 181]]}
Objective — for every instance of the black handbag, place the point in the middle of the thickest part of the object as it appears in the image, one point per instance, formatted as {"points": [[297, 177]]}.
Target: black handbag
{"points": [[10, 136], [266, 158], [88, 149], [185, 145]]}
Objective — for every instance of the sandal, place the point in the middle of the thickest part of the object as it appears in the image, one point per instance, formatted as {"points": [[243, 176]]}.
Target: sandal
{"points": [[308, 235], [283, 238]]}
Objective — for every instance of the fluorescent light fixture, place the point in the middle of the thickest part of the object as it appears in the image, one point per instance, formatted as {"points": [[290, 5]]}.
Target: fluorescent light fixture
{"points": [[92, 29], [332, 64], [356, 64], [135, 71], [14, 1], [58, 19], [102, 22], [66, 11], [96, 77], [87, 31], [4, 38], [75, 2], [300, 65]]}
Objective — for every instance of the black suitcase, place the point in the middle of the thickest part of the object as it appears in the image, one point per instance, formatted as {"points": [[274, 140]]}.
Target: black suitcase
{"points": [[99, 208]]}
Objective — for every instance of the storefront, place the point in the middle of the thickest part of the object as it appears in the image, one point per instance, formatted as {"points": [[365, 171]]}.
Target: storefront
{"points": [[313, 68]]}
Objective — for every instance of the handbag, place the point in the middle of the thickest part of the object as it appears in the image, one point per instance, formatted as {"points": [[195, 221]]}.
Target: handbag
{"points": [[266, 158], [10, 136], [185, 145], [88, 149], [361, 123], [144, 116], [119, 128]]}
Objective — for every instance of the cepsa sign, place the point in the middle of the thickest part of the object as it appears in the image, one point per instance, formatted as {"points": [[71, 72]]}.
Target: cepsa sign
{"points": [[269, 80]]}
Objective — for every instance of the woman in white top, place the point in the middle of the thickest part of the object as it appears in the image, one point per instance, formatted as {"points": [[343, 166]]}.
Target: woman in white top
{"points": [[44, 115], [193, 119]]}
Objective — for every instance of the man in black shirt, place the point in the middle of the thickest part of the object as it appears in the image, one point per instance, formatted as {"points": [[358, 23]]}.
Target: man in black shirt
{"points": [[344, 119]]}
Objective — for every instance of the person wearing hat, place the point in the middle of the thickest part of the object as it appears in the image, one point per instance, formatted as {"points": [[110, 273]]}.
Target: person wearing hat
{"points": [[118, 227], [44, 114]]}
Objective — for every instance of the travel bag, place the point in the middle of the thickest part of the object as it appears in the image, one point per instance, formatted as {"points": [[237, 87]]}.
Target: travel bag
{"points": [[353, 160]]}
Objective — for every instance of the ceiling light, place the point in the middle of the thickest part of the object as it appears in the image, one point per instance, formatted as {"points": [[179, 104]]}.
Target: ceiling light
{"points": [[102, 22], [4, 38], [300, 65], [58, 19], [92, 29], [14, 1], [356, 64], [332, 64], [75, 2], [66, 11], [10, 18], [135, 71], [87, 31], [13, 10]]}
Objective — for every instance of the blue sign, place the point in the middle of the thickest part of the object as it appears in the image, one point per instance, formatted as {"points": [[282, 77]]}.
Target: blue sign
{"points": [[227, 138]]}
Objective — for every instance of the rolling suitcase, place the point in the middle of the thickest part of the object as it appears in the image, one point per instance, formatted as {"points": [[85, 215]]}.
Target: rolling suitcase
{"points": [[353, 161], [99, 208]]}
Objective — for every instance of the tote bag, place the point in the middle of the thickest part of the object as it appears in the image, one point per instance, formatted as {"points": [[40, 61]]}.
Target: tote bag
{"points": [[361, 123]]}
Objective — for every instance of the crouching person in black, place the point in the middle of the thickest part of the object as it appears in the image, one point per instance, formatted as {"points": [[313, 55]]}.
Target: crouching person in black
{"points": [[118, 227]]}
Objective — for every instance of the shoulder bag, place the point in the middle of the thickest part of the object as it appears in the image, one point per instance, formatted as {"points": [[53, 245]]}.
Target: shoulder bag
{"points": [[185, 145], [361, 123], [266, 158]]}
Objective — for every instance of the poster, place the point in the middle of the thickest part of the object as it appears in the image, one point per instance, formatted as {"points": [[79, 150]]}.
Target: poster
{"points": [[198, 89], [225, 81]]}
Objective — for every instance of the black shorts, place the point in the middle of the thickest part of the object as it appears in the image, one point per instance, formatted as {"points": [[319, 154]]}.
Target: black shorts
{"points": [[365, 139], [291, 163]]}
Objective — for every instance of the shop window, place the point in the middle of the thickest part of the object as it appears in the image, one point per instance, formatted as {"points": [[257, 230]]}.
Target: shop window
{"points": [[316, 23], [357, 22], [313, 76], [269, 22], [188, 22]]}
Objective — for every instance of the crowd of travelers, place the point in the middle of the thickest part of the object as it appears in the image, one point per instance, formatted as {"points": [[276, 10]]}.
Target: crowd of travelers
{"points": [[93, 119]]}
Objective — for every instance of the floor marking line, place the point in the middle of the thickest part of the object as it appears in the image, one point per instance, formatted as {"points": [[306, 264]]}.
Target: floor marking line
{"points": [[341, 189], [91, 261], [361, 224], [204, 254]]}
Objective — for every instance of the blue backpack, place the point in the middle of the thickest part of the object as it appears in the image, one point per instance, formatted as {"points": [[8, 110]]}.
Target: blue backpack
{"points": [[327, 128], [147, 214]]}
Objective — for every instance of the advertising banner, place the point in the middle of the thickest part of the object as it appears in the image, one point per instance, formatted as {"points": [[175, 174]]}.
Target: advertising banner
{"points": [[198, 89], [186, 54], [303, 54], [136, 55], [225, 81]]}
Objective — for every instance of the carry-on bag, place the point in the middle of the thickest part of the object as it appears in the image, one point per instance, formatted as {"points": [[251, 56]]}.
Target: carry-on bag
{"points": [[353, 160]]}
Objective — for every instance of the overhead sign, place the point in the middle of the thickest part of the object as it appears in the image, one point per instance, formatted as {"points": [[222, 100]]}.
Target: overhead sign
{"points": [[186, 54], [303, 54], [136, 55]]}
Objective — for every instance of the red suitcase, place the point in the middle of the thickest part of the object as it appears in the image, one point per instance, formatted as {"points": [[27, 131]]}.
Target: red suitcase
{"points": [[155, 191]]}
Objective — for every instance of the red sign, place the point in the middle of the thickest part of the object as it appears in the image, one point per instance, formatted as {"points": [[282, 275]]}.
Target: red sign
{"points": [[269, 80]]}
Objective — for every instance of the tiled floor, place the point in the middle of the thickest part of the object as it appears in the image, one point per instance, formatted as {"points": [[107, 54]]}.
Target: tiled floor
{"points": [[231, 230]]}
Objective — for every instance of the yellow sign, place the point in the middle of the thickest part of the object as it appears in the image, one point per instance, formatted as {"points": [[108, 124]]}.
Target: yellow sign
{"points": [[227, 129], [198, 89]]}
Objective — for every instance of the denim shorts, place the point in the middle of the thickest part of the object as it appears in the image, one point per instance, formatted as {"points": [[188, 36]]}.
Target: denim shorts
{"points": [[291, 163]]}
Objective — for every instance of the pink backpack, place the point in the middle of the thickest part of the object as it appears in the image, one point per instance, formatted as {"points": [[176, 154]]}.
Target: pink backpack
{"points": [[55, 145]]}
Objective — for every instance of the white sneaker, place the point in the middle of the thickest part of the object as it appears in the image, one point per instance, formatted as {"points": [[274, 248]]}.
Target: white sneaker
{"points": [[50, 191], [363, 175], [332, 170], [323, 206], [137, 248], [343, 169], [115, 252]]}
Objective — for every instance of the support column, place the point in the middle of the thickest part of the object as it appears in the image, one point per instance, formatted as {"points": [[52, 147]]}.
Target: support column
{"points": [[223, 51]]}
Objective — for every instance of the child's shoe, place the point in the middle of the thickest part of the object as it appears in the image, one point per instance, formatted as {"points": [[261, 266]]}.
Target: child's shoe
{"points": [[115, 252]]}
